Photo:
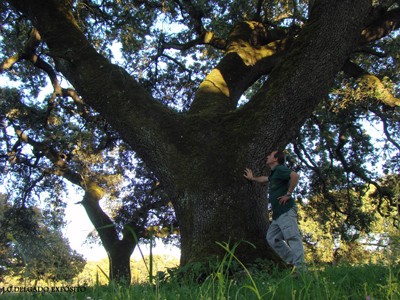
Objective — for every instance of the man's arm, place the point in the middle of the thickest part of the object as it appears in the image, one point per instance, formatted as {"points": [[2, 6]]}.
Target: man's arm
{"points": [[294, 180], [248, 174]]}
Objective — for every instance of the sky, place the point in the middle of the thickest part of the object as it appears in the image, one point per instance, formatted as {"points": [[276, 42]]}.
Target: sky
{"points": [[79, 225]]}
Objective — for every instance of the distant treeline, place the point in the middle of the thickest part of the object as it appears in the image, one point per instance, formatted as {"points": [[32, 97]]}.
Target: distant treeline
{"points": [[98, 272]]}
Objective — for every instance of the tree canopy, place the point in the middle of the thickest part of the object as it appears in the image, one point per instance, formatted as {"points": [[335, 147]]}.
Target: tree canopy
{"points": [[202, 90]]}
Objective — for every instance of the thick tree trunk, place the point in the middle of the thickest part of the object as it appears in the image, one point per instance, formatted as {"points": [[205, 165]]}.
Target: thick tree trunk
{"points": [[224, 216], [119, 250], [119, 263], [226, 207]]}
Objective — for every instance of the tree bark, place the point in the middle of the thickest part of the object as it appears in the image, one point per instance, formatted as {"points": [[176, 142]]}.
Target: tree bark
{"points": [[199, 158], [119, 268]]}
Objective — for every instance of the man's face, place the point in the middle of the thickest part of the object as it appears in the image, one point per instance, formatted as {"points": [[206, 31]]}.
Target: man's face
{"points": [[271, 158]]}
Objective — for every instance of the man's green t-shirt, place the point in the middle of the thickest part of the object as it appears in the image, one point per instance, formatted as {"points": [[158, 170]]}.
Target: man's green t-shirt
{"points": [[279, 182]]}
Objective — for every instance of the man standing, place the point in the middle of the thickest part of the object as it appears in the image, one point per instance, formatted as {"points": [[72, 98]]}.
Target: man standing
{"points": [[282, 182]]}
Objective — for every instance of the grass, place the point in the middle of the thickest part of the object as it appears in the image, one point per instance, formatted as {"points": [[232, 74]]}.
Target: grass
{"points": [[230, 279], [343, 282]]}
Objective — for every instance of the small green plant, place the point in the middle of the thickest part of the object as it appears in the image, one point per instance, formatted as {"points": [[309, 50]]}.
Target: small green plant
{"points": [[104, 273], [230, 255]]}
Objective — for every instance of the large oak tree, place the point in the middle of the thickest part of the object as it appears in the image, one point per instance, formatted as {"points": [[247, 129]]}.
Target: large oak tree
{"points": [[199, 153]]}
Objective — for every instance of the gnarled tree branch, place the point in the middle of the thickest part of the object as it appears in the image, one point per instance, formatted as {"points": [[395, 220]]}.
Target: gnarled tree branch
{"points": [[371, 83]]}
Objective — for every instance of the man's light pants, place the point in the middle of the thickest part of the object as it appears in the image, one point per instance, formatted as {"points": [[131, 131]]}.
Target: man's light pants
{"points": [[286, 228]]}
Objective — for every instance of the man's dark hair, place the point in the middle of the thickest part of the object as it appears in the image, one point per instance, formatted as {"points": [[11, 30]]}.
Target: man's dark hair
{"points": [[280, 156]]}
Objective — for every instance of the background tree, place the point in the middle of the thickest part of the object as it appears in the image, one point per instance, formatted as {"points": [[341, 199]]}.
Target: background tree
{"points": [[291, 52], [41, 146], [331, 236], [351, 195], [32, 245]]}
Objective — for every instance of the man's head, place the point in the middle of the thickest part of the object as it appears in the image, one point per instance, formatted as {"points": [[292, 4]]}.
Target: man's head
{"points": [[275, 158]]}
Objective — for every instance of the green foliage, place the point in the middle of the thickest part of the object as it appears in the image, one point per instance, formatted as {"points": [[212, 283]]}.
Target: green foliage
{"points": [[330, 237], [87, 149], [215, 269], [349, 199], [57, 146], [33, 249], [199, 271]]}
